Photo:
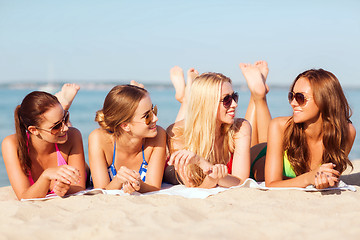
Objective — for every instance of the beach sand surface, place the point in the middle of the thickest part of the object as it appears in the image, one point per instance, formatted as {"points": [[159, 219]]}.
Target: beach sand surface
{"points": [[242, 213]]}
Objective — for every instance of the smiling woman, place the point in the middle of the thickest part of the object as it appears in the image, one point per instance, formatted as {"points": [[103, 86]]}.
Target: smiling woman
{"points": [[128, 150], [210, 147], [45, 154], [311, 146]]}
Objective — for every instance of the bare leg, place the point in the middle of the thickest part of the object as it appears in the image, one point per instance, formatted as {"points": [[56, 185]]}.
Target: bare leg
{"points": [[258, 113], [134, 83], [182, 91], [67, 94]]}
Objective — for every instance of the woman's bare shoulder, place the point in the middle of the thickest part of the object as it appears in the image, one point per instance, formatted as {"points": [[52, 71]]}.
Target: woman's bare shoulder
{"points": [[175, 128]]}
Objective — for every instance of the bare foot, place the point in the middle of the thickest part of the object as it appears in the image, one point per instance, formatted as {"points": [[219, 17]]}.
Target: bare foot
{"points": [[134, 83], [67, 94], [177, 79], [254, 80], [263, 67]]}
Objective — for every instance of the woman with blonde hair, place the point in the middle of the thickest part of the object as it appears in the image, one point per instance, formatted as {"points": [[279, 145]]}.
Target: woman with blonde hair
{"points": [[128, 150], [45, 155], [311, 147], [211, 147]]}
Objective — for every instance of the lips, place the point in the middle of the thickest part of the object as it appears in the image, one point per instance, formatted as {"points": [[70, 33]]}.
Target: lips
{"points": [[231, 113], [153, 127]]}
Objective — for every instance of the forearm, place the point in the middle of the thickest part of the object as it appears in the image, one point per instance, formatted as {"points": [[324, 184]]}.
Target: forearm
{"points": [[38, 190], [208, 183], [301, 181], [145, 187], [114, 184], [229, 181], [75, 189]]}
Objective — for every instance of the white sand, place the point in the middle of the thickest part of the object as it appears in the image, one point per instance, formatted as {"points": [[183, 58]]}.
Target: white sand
{"points": [[241, 213]]}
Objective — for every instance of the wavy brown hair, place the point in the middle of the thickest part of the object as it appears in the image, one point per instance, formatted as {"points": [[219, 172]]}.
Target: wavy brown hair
{"points": [[335, 111], [119, 106], [29, 113]]}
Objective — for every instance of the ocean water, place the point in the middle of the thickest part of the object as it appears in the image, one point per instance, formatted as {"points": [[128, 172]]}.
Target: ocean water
{"points": [[89, 100]]}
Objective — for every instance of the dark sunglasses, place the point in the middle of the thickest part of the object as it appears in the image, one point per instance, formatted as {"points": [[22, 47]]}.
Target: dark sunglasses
{"points": [[58, 126], [150, 115], [227, 100], [299, 97]]}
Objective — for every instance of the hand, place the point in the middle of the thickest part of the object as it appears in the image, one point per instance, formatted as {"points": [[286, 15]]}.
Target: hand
{"points": [[182, 158], [326, 176], [60, 188], [129, 178], [64, 173], [217, 171], [130, 187]]}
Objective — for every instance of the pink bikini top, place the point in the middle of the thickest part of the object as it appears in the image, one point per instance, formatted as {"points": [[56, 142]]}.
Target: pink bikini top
{"points": [[60, 160]]}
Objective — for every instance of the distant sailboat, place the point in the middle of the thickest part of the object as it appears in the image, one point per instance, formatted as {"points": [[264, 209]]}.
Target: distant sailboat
{"points": [[50, 86]]}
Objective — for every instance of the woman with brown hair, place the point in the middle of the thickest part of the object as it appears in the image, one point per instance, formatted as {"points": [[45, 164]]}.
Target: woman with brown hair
{"points": [[45, 154], [128, 150], [311, 147]]}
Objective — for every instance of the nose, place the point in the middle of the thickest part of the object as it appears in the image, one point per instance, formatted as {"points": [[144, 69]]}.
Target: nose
{"points": [[233, 104], [294, 103], [64, 127], [155, 118]]}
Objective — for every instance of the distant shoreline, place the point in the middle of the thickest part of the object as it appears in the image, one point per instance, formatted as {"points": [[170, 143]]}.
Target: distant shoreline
{"points": [[104, 85]]}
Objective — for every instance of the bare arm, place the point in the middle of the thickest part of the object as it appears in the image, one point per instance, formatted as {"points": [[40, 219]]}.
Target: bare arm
{"points": [[274, 162], [20, 181], [156, 163], [76, 159], [98, 163], [241, 157]]}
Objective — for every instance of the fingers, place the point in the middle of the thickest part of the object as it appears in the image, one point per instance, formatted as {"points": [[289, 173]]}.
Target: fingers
{"points": [[130, 187], [325, 180], [182, 158], [218, 171], [61, 188], [127, 175], [69, 174]]}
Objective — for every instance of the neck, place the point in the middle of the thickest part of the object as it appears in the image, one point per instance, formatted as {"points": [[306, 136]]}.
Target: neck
{"points": [[313, 129], [129, 143], [40, 145]]}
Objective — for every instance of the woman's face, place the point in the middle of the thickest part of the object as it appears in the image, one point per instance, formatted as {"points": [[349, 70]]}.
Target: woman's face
{"points": [[138, 124], [226, 115], [53, 127], [308, 111]]}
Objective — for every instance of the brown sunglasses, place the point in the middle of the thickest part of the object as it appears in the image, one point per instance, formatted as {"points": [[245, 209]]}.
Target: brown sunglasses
{"points": [[299, 97], [58, 126], [150, 115]]}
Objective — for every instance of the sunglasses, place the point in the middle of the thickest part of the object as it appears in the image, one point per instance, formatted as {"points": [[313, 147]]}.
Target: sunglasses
{"points": [[227, 100], [149, 116], [58, 126], [299, 97]]}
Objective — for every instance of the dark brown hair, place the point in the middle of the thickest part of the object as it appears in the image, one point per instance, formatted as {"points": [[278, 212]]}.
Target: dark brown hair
{"points": [[29, 113], [335, 112]]}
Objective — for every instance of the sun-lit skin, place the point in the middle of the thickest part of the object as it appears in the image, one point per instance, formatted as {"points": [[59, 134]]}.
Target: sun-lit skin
{"points": [[309, 112], [50, 118], [138, 126], [226, 115]]}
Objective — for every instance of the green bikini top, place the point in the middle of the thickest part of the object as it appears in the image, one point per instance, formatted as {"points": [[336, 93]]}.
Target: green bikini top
{"points": [[288, 170]]}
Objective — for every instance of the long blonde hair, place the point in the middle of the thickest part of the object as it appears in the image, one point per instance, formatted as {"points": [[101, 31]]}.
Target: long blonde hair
{"points": [[201, 123]]}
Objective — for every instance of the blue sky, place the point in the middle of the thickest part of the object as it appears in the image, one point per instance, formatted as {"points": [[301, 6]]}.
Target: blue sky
{"points": [[87, 40]]}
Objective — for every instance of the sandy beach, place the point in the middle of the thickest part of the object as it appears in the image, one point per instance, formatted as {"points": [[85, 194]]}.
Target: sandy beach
{"points": [[242, 213]]}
